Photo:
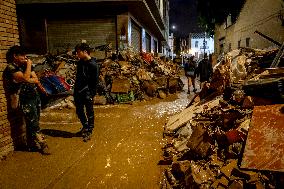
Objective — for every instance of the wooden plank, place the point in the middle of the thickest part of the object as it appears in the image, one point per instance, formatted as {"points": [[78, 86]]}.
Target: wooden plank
{"points": [[179, 120], [265, 142], [120, 86]]}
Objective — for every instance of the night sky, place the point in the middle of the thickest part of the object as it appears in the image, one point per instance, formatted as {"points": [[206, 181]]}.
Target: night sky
{"points": [[183, 15]]}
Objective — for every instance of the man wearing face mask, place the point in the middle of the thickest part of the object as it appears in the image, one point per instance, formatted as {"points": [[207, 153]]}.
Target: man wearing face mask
{"points": [[25, 82], [87, 77]]}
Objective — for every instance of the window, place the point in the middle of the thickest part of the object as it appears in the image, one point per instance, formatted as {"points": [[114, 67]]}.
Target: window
{"points": [[196, 44], [221, 48], [247, 42], [228, 21], [221, 44], [230, 46], [196, 54], [239, 44]]}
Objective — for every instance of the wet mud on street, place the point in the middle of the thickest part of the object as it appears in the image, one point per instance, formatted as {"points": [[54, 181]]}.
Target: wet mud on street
{"points": [[123, 152]]}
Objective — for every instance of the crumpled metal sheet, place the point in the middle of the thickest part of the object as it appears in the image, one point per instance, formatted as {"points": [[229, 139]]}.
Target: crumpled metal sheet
{"points": [[265, 143]]}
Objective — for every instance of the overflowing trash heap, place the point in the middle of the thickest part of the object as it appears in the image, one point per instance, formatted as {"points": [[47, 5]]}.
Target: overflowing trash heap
{"points": [[124, 78], [231, 133]]}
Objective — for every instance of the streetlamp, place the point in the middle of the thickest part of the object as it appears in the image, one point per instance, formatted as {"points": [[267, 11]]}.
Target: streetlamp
{"points": [[173, 28], [204, 43]]}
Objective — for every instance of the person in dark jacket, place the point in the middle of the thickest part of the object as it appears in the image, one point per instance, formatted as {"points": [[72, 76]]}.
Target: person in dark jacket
{"points": [[24, 82], [189, 70], [204, 70], [87, 77]]}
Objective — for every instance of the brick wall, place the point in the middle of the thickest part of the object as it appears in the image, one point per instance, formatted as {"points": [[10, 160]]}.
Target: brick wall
{"points": [[8, 37], [261, 15]]}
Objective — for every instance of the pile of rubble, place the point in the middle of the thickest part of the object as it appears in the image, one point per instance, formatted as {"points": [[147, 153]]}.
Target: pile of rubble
{"points": [[62, 65], [123, 78], [135, 77], [231, 134]]}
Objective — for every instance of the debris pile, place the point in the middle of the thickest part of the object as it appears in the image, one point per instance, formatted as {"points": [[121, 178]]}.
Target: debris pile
{"points": [[136, 77], [231, 134], [123, 78], [62, 65], [56, 74]]}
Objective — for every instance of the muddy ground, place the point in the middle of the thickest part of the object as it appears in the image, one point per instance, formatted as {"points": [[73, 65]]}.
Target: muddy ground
{"points": [[123, 152]]}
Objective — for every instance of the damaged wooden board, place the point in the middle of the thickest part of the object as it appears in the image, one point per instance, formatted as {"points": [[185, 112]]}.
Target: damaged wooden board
{"points": [[179, 120], [265, 143], [120, 86]]}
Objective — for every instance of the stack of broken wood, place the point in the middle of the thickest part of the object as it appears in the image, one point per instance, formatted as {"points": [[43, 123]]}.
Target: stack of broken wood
{"points": [[231, 134]]}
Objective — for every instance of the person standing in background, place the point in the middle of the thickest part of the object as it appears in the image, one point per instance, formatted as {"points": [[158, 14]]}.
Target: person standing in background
{"points": [[189, 69], [205, 70]]}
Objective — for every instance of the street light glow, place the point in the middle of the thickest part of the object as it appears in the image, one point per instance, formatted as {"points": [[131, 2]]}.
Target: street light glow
{"points": [[174, 27]]}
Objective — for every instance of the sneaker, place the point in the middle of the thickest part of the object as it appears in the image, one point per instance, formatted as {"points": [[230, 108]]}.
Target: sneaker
{"points": [[81, 132], [41, 143], [39, 138], [44, 149], [32, 145], [33, 148], [87, 136]]}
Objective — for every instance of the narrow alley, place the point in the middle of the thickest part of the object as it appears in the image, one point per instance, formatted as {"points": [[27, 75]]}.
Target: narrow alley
{"points": [[132, 94], [124, 151]]}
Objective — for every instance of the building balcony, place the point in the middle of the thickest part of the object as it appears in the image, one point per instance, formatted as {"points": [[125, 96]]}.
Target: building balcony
{"points": [[147, 12]]}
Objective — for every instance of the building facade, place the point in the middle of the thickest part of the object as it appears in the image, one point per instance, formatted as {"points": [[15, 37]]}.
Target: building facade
{"points": [[184, 47], [200, 43], [264, 16], [171, 45], [52, 26]]}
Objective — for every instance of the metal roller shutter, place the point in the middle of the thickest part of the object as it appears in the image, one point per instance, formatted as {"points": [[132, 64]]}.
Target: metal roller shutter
{"points": [[148, 43], [64, 34], [155, 46], [135, 37]]}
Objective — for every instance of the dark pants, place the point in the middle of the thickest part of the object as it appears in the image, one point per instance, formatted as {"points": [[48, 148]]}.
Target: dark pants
{"points": [[87, 118], [30, 107]]}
